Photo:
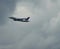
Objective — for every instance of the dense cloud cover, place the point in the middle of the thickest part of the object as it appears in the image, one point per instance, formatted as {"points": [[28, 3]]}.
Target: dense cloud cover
{"points": [[6, 8], [43, 30]]}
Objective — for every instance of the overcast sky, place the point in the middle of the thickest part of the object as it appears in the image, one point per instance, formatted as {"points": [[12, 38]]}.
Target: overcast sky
{"points": [[43, 30]]}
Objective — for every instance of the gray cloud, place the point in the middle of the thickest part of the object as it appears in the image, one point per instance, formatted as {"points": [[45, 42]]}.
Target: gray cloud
{"points": [[41, 33], [6, 8]]}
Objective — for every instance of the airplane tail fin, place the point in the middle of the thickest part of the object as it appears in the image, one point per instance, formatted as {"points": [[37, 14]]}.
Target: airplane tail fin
{"points": [[27, 18]]}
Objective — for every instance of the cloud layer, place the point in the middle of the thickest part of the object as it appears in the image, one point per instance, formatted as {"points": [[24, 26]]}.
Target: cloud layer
{"points": [[6, 8], [43, 30]]}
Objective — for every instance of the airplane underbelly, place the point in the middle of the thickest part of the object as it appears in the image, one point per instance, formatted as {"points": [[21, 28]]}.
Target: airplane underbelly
{"points": [[24, 19]]}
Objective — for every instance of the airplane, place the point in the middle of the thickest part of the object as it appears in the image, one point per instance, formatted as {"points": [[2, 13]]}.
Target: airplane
{"points": [[20, 19]]}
